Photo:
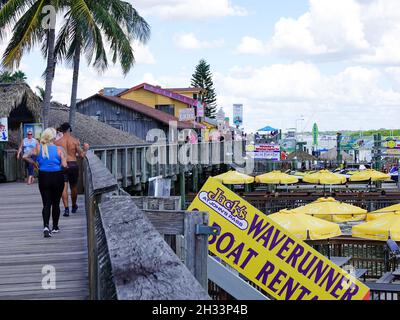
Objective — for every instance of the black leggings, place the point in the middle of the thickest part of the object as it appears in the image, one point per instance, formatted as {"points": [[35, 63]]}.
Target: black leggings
{"points": [[51, 186]]}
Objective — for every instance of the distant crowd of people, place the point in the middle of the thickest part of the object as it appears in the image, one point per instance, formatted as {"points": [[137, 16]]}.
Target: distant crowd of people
{"points": [[54, 156]]}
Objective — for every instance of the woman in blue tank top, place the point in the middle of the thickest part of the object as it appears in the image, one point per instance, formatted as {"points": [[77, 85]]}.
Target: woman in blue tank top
{"points": [[26, 146], [50, 161]]}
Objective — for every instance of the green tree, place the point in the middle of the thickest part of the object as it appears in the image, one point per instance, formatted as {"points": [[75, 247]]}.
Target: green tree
{"points": [[8, 77], [32, 22], [40, 92], [202, 78], [85, 23], [19, 76]]}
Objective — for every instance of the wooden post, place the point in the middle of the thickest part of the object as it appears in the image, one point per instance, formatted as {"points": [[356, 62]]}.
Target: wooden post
{"points": [[195, 178], [2, 168], [182, 188], [134, 166], [194, 247], [201, 254], [124, 168], [115, 164]]}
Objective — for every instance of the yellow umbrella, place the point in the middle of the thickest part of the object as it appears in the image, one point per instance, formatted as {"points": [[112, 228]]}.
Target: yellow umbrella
{"points": [[306, 227], [276, 177], [395, 209], [382, 229], [234, 177], [369, 175], [332, 210], [324, 177]]}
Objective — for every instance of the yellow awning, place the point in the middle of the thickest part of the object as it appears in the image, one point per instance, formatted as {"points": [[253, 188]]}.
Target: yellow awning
{"points": [[234, 177], [276, 177], [369, 174], [332, 210], [381, 229], [306, 227], [324, 177]]}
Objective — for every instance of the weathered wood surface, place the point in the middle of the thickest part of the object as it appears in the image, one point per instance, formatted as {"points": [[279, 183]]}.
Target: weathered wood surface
{"points": [[144, 267], [102, 179], [24, 251]]}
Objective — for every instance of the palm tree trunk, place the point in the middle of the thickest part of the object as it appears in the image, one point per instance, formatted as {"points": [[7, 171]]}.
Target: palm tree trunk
{"points": [[49, 76], [75, 78]]}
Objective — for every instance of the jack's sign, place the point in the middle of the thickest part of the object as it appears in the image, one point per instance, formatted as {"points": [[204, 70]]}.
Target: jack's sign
{"points": [[264, 252]]}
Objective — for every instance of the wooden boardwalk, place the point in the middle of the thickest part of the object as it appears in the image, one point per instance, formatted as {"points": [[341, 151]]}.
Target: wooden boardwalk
{"points": [[24, 251]]}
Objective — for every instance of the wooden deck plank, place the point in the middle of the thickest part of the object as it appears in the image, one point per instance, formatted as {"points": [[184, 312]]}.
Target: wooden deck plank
{"points": [[24, 251]]}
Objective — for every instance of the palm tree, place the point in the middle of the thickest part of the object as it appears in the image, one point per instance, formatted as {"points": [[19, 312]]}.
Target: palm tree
{"points": [[6, 77], [40, 92], [19, 76], [85, 22], [25, 18]]}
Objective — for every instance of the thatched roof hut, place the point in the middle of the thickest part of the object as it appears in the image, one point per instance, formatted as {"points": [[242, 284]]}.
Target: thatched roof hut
{"points": [[301, 156], [21, 105], [331, 155]]}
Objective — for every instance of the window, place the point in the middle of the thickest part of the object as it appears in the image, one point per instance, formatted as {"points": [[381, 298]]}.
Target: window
{"points": [[167, 108]]}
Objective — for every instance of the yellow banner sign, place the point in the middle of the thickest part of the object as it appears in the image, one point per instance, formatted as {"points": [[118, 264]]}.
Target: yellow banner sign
{"points": [[269, 256]]}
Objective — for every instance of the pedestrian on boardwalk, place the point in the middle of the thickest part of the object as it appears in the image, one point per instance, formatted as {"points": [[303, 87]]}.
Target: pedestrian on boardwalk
{"points": [[51, 160], [27, 145], [72, 147]]}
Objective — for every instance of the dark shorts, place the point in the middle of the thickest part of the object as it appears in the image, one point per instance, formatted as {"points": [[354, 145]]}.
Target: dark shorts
{"points": [[30, 169], [72, 173]]}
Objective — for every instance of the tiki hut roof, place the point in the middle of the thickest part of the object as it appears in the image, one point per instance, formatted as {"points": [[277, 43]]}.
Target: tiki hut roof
{"points": [[12, 95], [301, 156], [331, 155], [90, 130]]}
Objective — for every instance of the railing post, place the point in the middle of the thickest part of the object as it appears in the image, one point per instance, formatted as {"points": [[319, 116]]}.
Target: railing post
{"points": [[90, 204], [115, 164], [134, 166], [124, 168], [194, 253]]}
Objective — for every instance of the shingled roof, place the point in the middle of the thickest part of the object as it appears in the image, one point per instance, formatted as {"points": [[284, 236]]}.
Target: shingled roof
{"points": [[90, 130], [153, 113]]}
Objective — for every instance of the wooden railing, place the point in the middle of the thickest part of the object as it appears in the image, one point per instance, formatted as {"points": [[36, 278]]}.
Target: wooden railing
{"points": [[130, 165], [128, 257], [384, 291], [365, 254]]}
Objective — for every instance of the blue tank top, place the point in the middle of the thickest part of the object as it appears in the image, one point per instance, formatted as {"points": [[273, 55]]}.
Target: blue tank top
{"points": [[29, 145], [51, 164]]}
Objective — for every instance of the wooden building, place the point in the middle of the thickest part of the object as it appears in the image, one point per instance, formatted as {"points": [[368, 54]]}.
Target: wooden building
{"points": [[130, 116], [172, 101]]}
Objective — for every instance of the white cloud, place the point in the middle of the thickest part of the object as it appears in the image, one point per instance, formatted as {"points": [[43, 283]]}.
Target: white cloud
{"points": [[362, 31], [251, 45], [188, 9], [280, 93], [189, 41], [143, 54]]}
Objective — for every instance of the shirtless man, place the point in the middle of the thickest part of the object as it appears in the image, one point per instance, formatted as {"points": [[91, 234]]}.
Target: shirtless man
{"points": [[72, 147]]}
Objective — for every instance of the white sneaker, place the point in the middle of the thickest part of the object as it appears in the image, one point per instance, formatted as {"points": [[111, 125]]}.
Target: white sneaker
{"points": [[46, 232]]}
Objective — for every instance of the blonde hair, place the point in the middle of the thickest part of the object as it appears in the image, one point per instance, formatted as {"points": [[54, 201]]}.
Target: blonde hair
{"points": [[46, 138]]}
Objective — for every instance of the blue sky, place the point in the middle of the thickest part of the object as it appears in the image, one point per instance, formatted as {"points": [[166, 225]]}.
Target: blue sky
{"points": [[336, 63]]}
